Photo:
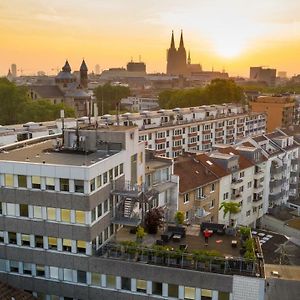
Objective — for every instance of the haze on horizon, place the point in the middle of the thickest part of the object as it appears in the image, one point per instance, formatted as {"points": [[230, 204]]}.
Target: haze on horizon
{"points": [[233, 34]]}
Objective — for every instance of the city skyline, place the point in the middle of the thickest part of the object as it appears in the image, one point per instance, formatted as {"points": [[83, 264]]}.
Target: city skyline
{"points": [[40, 35]]}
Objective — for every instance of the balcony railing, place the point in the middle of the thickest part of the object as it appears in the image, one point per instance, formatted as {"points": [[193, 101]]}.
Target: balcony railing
{"points": [[276, 183], [276, 197]]}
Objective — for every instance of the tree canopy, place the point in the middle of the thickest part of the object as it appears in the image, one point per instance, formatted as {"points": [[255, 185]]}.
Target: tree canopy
{"points": [[110, 96], [219, 91], [16, 107]]}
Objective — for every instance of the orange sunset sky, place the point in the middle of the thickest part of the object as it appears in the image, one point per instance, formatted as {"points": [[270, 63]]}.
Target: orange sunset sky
{"points": [[230, 34]]}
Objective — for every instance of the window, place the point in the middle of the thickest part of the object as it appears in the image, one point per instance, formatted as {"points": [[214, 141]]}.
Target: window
{"points": [[9, 180], [126, 283], [92, 185], [64, 184], [189, 293], [24, 210], [81, 247], [80, 216], [2, 265], [96, 279], [81, 276], [50, 184], [67, 245], [51, 213], [121, 169], [105, 206], [12, 238], [25, 240], [39, 241], [36, 182], [68, 275], [225, 196], [99, 210], [224, 295], [105, 178], [79, 186], [254, 209], [37, 212], [200, 193], [27, 268], [116, 171], [99, 181], [93, 215], [22, 181], [186, 198], [173, 290], [242, 174], [212, 204], [14, 266], [65, 215], [206, 293], [40, 271], [53, 272], [141, 286], [111, 175], [11, 209], [52, 243], [249, 185], [111, 281], [157, 288], [248, 213], [1, 236], [212, 189]]}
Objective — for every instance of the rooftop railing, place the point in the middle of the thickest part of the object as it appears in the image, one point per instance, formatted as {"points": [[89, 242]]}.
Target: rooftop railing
{"points": [[196, 261]]}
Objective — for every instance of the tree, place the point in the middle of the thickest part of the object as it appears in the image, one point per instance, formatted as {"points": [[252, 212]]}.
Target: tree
{"points": [[154, 219], [12, 102], [109, 96], [179, 217], [230, 208], [16, 107], [219, 91]]}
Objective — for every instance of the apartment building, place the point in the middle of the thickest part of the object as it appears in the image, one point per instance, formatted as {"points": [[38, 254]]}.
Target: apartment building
{"points": [[282, 166], [170, 132], [281, 110], [63, 203], [198, 189]]}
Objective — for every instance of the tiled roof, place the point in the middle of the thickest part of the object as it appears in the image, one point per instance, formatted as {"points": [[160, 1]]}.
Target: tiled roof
{"points": [[192, 173], [244, 162]]}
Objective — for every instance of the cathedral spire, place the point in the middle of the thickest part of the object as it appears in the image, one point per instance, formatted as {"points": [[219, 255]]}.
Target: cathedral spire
{"points": [[172, 41], [189, 58], [66, 67], [181, 44]]}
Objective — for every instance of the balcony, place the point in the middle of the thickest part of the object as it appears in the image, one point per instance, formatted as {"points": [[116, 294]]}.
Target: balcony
{"points": [[293, 185], [259, 174], [258, 188], [236, 196], [160, 140], [177, 148], [236, 182], [276, 197], [177, 137], [276, 169], [257, 198], [191, 145], [294, 161], [191, 134], [276, 183]]}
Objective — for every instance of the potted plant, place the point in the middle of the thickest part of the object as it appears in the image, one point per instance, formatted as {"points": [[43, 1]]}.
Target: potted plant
{"points": [[154, 220], [179, 218], [140, 233]]}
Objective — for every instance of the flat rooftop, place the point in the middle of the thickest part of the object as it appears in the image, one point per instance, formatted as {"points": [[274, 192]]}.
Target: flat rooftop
{"points": [[193, 239], [44, 153]]}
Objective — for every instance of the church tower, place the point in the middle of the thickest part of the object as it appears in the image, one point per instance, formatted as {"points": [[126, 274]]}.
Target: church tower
{"points": [[171, 57], [181, 57], [83, 75]]}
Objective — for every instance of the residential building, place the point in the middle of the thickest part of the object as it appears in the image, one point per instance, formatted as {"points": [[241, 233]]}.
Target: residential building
{"points": [[279, 109], [282, 166], [171, 131], [139, 104], [265, 75]]}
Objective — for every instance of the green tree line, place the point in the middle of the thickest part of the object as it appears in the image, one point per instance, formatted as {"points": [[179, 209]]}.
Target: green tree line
{"points": [[16, 107], [108, 97], [217, 92]]}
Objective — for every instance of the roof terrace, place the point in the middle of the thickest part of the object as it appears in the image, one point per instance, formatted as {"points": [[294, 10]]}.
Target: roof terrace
{"points": [[223, 253]]}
